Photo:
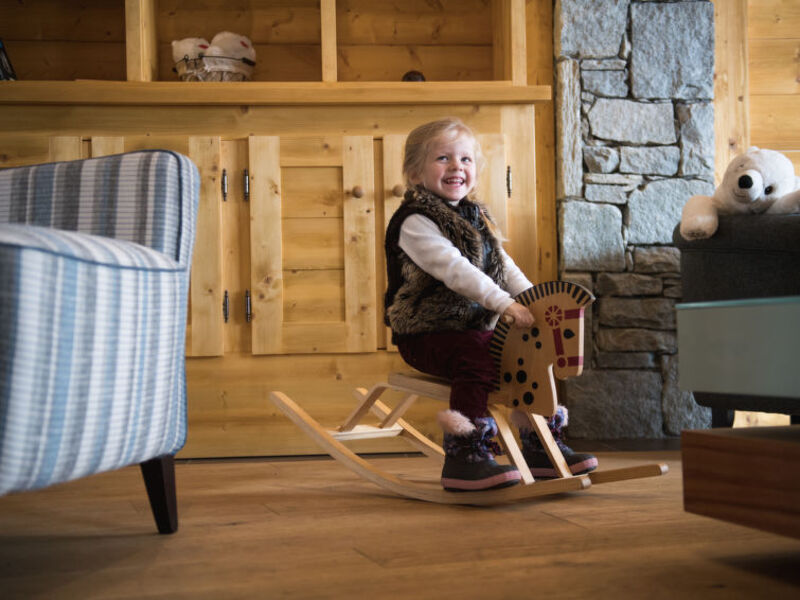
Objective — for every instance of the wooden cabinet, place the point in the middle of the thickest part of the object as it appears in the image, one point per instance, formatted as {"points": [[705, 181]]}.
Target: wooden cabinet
{"points": [[320, 135]]}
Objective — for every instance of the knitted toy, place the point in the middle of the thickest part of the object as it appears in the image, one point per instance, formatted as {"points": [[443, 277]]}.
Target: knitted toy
{"points": [[757, 181], [239, 57], [187, 55]]}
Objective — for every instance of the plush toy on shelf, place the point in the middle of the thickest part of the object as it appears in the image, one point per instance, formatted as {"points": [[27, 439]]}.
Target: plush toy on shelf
{"points": [[187, 55], [757, 181], [231, 57]]}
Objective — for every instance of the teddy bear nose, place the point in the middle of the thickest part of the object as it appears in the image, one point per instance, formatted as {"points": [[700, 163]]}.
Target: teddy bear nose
{"points": [[745, 182]]}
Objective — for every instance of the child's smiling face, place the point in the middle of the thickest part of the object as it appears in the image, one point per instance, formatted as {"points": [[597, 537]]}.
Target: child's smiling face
{"points": [[449, 170]]}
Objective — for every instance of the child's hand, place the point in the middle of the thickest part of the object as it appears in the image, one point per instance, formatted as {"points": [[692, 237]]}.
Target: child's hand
{"points": [[519, 315]]}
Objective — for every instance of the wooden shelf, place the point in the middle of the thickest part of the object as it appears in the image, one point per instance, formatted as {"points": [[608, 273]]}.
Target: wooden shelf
{"points": [[747, 476], [268, 93]]}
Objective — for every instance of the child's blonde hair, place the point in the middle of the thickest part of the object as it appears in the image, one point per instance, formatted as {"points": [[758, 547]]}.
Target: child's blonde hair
{"points": [[420, 140]]}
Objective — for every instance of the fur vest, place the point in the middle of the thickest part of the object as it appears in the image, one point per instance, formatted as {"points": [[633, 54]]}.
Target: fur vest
{"points": [[416, 302]]}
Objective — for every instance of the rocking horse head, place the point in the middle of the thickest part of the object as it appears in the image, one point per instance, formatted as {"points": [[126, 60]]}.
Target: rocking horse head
{"points": [[528, 360]]}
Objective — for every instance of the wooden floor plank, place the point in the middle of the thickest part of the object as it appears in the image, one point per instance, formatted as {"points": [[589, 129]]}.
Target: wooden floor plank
{"points": [[312, 529]]}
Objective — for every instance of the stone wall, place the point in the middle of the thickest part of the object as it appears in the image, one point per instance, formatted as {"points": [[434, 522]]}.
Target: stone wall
{"points": [[635, 139]]}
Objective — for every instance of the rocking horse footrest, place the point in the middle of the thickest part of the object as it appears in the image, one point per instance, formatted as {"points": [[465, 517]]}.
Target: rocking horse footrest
{"points": [[366, 432]]}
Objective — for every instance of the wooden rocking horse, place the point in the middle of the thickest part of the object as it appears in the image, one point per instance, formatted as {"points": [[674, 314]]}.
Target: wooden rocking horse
{"points": [[528, 361]]}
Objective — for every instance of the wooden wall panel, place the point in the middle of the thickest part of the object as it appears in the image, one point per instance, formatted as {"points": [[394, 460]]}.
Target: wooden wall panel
{"points": [[774, 122], [774, 18], [774, 66], [415, 22], [20, 150], [263, 21], [55, 40], [773, 39], [437, 63]]}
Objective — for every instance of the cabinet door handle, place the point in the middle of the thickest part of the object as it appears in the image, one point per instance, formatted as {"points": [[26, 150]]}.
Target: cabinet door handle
{"points": [[397, 191], [358, 191]]}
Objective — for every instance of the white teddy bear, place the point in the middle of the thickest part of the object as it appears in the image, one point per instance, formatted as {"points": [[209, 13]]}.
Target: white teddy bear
{"points": [[757, 181]]}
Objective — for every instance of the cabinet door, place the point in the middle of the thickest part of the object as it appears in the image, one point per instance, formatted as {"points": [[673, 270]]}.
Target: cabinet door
{"points": [[204, 332], [312, 244]]}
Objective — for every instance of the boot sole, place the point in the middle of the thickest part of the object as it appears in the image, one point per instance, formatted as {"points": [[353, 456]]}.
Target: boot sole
{"points": [[501, 480]]}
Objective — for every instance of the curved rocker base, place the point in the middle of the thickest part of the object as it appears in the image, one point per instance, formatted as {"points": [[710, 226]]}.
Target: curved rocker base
{"points": [[432, 492]]}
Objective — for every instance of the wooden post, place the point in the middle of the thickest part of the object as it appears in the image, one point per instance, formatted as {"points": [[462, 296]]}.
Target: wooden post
{"points": [[141, 47], [327, 9], [731, 86], [508, 26]]}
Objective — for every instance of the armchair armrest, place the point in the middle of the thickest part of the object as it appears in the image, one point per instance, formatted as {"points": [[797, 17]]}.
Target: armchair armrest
{"points": [[148, 197]]}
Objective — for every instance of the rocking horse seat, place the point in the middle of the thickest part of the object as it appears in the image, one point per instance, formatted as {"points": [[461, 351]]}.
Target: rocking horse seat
{"points": [[430, 386]]}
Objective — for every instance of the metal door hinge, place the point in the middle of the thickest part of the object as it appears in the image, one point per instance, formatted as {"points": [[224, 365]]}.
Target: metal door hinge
{"points": [[508, 180], [225, 306], [247, 308], [246, 183], [224, 185]]}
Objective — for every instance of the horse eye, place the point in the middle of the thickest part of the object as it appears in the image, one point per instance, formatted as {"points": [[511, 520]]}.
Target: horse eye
{"points": [[768, 190], [568, 333]]}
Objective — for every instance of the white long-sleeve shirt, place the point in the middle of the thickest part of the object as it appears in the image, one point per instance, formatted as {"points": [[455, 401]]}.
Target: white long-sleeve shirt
{"points": [[422, 240]]}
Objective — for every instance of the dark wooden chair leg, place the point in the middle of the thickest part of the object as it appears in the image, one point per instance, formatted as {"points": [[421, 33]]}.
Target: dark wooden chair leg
{"points": [[159, 478], [722, 417]]}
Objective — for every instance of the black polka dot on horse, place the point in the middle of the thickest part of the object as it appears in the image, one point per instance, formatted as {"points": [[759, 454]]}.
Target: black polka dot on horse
{"points": [[507, 377], [522, 376], [527, 398]]}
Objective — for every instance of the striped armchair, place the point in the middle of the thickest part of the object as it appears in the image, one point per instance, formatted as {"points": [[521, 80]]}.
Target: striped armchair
{"points": [[94, 271]]}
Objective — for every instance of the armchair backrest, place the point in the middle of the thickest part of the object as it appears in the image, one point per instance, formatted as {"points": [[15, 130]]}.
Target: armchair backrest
{"points": [[148, 197]]}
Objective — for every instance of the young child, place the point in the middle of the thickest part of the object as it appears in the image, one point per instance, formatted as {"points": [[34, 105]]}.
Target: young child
{"points": [[449, 280]]}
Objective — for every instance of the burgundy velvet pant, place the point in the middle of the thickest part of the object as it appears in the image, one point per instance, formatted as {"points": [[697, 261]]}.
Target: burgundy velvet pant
{"points": [[460, 356]]}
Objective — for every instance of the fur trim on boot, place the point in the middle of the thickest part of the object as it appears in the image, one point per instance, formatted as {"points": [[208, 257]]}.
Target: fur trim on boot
{"points": [[455, 423], [469, 463]]}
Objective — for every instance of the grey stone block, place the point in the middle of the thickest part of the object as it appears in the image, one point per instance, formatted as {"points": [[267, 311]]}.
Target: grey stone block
{"points": [[591, 238], [672, 52], [569, 163], [589, 28], [679, 407], [611, 194], [657, 259], [633, 122], [650, 160], [636, 340], [628, 284], [625, 360], [614, 404], [655, 210], [651, 313], [601, 159], [696, 122], [611, 84]]}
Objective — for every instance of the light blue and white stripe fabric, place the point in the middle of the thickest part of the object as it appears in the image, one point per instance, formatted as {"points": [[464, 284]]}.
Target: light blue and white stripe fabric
{"points": [[94, 271]]}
